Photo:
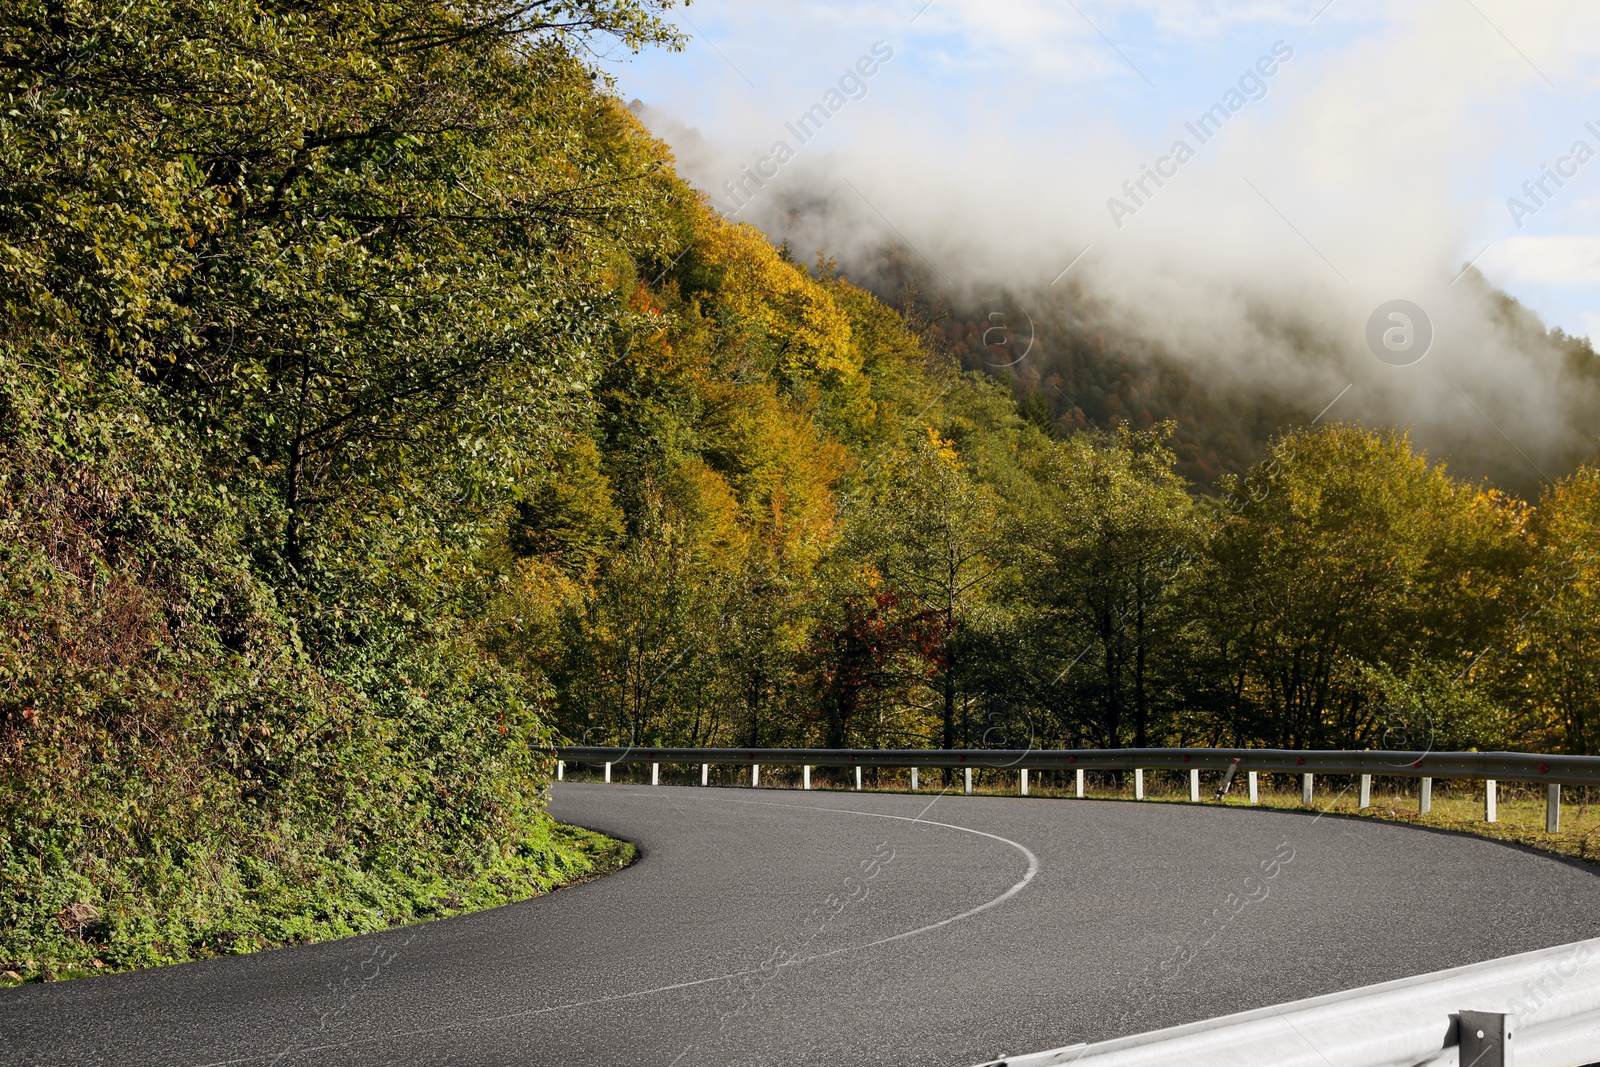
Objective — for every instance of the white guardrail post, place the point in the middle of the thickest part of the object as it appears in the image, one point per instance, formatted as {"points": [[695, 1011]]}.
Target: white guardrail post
{"points": [[913, 779], [1425, 797], [1552, 809], [655, 774], [1080, 783], [1024, 779], [755, 775], [1366, 791], [1545, 1004], [705, 774], [1255, 788], [561, 770], [608, 772], [1308, 786], [969, 779], [806, 777], [1138, 783], [858, 777], [1194, 785], [1491, 807]]}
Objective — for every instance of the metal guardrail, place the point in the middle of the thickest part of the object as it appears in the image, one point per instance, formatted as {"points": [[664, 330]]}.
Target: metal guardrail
{"points": [[1541, 1007], [1505, 766], [1489, 767]]}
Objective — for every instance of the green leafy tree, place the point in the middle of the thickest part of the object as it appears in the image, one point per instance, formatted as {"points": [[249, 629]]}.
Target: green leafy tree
{"points": [[1101, 548], [1346, 551]]}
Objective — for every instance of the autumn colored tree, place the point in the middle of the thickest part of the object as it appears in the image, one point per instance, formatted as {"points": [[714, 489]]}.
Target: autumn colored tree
{"points": [[1547, 663]]}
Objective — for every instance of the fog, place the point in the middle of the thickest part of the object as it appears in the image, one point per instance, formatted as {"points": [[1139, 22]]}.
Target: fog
{"points": [[1252, 240]]}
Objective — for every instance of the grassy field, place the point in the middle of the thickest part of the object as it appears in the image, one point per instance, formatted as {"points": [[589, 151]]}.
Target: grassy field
{"points": [[1457, 805]]}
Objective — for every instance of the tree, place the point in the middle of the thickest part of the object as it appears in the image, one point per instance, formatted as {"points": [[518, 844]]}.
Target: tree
{"points": [[935, 535], [374, 271], [1342, 553], [1548, 661], [1102, 547]]}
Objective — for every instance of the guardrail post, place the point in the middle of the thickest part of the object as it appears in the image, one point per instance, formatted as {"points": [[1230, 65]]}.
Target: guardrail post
{"points": [[913, 779], [1080, 783], [1491, 806], [705, 774], [1366, 791], [561, 770], [969, 779], [655, 774], [805, 774], [755, 775], [1425, 797], [1483, 1039], [1552, 809], [1307, 788], [1138, 783], [1255, 790], [1024, 781], [1194, 785], [858, 777]]}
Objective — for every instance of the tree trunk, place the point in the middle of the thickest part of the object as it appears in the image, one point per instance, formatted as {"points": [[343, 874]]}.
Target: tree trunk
{"points": [[1141, 711], [949, 722]]}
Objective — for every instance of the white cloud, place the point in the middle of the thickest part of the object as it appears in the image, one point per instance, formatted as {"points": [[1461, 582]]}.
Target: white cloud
{"points": [[1559, 259]]}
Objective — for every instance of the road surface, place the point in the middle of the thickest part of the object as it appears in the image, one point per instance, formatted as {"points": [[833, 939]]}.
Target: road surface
{"points": [[777, 927]]}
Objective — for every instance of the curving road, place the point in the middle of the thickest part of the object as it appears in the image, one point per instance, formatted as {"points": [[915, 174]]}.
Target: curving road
{"points": [[776, 927]]}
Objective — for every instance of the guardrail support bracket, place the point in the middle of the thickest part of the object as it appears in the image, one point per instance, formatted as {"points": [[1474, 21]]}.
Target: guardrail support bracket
{"points": [[1227, 780], [1484, 1039]]}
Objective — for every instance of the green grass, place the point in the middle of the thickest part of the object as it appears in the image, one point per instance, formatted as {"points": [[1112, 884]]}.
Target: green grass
{"points": [[254, 912], [1457, 805]]}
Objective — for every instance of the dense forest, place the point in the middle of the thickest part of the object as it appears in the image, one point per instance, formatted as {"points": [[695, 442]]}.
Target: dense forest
{"points": [[377, 407]]}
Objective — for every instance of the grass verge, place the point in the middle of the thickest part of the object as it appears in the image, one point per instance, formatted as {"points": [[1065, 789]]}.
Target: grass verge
{"points": [[254, 911]]}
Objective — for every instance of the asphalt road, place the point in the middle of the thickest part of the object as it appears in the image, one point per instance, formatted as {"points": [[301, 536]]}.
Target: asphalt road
{"points": [[778, 927]]}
